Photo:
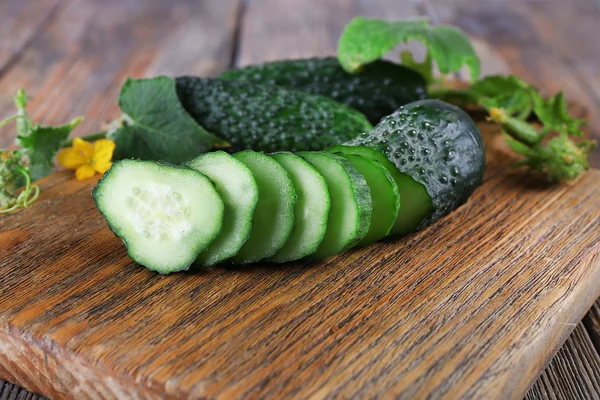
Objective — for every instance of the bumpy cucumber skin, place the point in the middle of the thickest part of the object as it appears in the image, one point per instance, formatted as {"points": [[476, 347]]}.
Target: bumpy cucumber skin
{"points": [[377, 90], [267, 117], [438, 145]]}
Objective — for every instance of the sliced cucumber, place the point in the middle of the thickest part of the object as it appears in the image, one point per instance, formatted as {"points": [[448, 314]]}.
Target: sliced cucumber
{"points": [[274, 215], [165, 215], [239, 191], [350, 214], [384, 195], [415, 201], [311, 210]]}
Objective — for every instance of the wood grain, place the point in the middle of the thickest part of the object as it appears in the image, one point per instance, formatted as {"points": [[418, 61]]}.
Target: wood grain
{"points": [[574, 373], [478, 313], [20, 24], [88, 48]]}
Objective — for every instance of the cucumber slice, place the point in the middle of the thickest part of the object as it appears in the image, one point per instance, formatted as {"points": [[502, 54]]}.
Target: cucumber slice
{"points": [[238, 189], [311, 210], [274, 215], [384, 195], [165, 215], [415, 201], [350, 214]]}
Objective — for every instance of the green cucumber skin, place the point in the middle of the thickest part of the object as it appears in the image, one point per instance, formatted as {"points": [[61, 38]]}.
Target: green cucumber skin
{"points": [[266, 117], [362, 198], [377, 90], [221, 248], [264, 242], [415, 202], [385, 197], [438, 145], [310, 205]]}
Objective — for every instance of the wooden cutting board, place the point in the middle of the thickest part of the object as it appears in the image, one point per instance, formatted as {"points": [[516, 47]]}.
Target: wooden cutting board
{"points": [[474, 306]]}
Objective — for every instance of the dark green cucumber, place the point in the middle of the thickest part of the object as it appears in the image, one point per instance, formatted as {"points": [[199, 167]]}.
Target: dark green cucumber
{"points": [[384, 196], [436, 144], [350, 213], [267, 117], [377, 90]]}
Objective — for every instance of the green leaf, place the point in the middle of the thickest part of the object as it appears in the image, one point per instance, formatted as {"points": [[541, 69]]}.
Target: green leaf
{"points": [[508, 93], [425, 68], [366, 40], [553, 113], [156, 125], [41, 145]]}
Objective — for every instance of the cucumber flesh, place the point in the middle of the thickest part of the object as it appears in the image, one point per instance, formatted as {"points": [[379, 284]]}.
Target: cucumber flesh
{"points": [[238, 189], [165, 215], [416, 203], [273, 218], [384, 195], [310, 212], [350, 214]]}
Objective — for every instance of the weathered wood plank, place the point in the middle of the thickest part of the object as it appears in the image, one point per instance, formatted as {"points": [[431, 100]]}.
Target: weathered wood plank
{"points": [[275, 29], [20, 23], [574, 373], [77, 65]]}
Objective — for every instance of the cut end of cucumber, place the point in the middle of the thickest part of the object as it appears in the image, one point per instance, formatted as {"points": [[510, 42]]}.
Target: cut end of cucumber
{"points": [[165, 215]]}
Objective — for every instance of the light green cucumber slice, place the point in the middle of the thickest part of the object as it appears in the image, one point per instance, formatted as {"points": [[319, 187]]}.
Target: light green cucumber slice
{"points": [[384, 195], [274, 214], [415, 201], [350, 213], [310, 212], [165, 215], [238, 189]]}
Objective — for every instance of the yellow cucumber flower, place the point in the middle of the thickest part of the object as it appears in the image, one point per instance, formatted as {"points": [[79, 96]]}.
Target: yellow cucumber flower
{"points": [[87, 158]]}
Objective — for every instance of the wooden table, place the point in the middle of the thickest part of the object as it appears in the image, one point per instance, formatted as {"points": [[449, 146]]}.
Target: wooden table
{"points": [[72, 56]]}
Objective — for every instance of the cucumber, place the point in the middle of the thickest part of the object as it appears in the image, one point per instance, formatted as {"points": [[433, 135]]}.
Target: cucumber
{"points": [[165, 215], [238, 189], [438, 145], [273, 218], [377, 90], [415, 202], [310, 212], [384, 196], [267, 117], [350, 214]]}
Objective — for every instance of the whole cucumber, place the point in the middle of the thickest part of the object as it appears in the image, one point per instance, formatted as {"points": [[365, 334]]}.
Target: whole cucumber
{"points": [[377, 90], [267, 117]]}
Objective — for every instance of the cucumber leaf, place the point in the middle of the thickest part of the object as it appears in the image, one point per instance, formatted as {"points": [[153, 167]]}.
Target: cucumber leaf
{"points": [[425, 68], [155, 125], [365, 40], [42, 143]]}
